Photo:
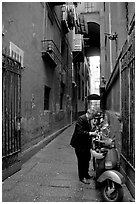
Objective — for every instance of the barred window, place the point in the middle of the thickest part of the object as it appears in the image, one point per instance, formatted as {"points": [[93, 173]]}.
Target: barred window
{"points": [[89, 7]]}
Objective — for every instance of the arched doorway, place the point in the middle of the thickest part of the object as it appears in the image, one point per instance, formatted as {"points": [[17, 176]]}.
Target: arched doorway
{"points": [[92, 50], [92, 40]]}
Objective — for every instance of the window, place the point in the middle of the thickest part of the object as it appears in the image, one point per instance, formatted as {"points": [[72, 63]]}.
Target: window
{"points": [[46, 97], [62, 91], [104, 6], [89, 7]]}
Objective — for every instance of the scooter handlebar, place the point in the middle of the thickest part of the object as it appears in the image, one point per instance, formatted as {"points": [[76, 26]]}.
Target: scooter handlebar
{"points": [[97, 155]]}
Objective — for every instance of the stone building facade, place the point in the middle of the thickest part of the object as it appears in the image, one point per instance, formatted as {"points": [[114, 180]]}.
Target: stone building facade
{"points": [[118, 70], [45, 82], [38, 56]]}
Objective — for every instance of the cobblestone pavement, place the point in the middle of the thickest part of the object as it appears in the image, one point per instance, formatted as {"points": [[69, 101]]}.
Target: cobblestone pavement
{"points": [[51, 176]]}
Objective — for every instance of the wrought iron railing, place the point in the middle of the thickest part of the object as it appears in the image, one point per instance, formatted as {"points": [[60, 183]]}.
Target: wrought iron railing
{"points": [[51, 52]]}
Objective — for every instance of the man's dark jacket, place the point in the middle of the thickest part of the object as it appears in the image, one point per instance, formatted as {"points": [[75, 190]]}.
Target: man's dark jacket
{"points": [[80, 137]]}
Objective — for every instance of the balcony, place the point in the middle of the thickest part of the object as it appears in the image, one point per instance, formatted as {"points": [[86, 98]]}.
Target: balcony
{"points": [[68, 20], [50, 52], [82, 27], [78, 54]]}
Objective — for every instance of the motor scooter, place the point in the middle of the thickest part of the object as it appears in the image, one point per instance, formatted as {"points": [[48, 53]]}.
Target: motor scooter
{"points": [[106, 166]]}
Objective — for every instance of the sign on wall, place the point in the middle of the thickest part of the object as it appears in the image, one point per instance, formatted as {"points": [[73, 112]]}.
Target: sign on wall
{"points": [[16, 53]]}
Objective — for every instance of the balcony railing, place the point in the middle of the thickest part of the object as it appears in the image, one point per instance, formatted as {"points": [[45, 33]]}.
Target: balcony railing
{"points": [[50, 52]]}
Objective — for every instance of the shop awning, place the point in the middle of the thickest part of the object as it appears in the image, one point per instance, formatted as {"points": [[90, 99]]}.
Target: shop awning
{"points": [[93, 97]]}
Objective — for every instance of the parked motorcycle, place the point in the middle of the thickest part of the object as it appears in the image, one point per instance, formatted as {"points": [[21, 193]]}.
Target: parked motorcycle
{"points": [[106, 166]]}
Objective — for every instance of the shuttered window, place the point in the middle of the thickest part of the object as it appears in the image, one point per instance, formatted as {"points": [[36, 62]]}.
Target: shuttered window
{"points": [[46, 97]]}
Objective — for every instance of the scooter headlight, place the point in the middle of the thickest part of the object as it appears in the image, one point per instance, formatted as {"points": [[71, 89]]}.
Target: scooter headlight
{"points": [[108, 164]]}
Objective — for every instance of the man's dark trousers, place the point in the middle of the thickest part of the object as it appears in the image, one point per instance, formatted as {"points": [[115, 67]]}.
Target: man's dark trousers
{"points": [[83, 157]]}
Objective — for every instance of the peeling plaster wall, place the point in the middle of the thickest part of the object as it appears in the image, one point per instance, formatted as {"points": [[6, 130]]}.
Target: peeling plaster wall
{"points": [[23, 25]]}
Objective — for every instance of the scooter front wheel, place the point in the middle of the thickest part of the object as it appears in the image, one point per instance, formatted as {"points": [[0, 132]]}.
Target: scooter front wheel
{"points": [[112, 192]]}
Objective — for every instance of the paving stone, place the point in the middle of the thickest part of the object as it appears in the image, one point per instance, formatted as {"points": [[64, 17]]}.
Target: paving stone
{"points": [[51, 176]]}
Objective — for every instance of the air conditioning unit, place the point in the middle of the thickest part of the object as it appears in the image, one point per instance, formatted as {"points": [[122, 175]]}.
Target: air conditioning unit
{"points": [[77, 46]]}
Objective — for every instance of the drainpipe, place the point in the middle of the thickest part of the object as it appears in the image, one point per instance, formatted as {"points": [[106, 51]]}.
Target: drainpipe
{"points": [[120, 87], [110, 44]]}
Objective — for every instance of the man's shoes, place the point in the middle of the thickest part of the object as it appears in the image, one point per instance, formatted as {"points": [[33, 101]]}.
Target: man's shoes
{"points": [[88, 177], [84, 180]]}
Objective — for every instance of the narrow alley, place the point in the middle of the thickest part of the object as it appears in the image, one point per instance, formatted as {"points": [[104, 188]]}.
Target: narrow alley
{"points": [[60, 59], [51, 176]]}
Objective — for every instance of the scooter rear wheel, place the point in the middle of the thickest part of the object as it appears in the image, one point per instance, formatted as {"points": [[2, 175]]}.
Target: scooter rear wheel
{"points": [[112, 192]]}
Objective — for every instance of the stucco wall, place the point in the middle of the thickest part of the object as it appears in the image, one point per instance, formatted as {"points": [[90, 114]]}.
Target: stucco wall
{"points": [[23, 25]]}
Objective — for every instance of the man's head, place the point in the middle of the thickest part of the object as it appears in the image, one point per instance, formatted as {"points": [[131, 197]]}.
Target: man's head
{"points": [[91, 113]]}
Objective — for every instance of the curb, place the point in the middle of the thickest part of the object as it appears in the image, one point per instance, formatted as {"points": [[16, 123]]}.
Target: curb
{"points": [[27, 154]]}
